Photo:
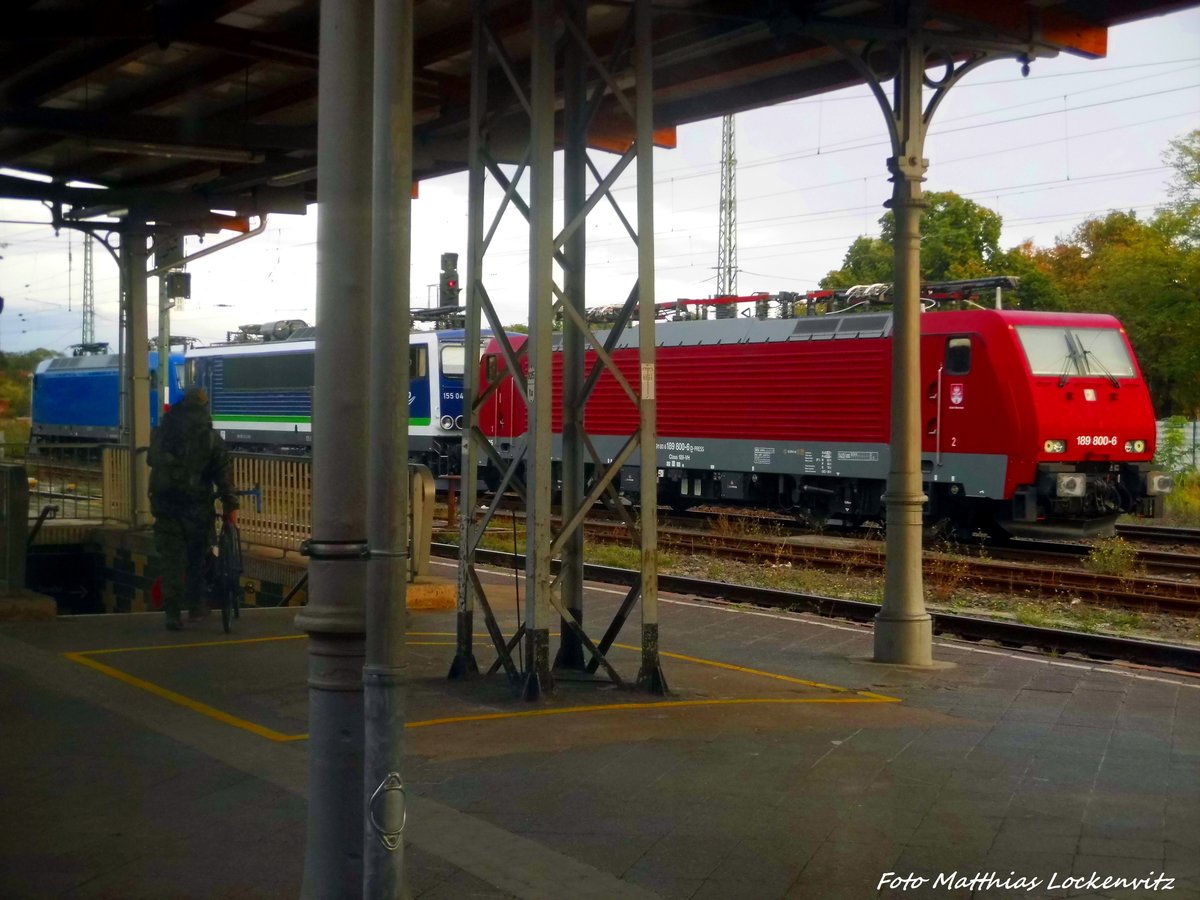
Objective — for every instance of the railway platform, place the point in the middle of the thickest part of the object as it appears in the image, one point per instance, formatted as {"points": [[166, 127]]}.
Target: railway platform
{"points": [[142, 763]]}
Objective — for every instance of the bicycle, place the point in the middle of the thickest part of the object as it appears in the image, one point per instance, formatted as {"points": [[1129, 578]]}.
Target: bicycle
{"points": [[227, 572], [227, 577]]}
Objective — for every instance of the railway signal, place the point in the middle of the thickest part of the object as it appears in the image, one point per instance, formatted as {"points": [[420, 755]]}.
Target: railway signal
{"points": [[448, 285]]}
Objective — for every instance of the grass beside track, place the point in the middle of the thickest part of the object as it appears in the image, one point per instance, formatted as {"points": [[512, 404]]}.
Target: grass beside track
{"points": [[948, 589]]}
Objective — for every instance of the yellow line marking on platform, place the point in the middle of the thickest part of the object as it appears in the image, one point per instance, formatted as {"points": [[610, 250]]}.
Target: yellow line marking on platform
{"points": [[860, 696], [658, 704], [882, 698], [228, 643], [194, 705]]}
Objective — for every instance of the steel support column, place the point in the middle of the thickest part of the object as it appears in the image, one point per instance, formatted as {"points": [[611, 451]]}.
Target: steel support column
{"points": [[539, 580], [164, 341], [464, 664], [386, 663], [574, 488], [334, 616], [137, 369], [650, 676], [526, 465]]}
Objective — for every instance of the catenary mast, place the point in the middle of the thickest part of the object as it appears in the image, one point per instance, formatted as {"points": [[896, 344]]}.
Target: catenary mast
{"points": [[727, 237]]}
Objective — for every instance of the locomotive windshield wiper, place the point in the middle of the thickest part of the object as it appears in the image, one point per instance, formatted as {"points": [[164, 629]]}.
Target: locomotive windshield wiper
{"points": [[1072, 359], [1103, 368]]}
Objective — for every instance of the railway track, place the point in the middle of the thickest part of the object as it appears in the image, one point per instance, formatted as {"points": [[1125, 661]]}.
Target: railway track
{"points": [[1015, 576], [1018, 549], [1161, 534], [968, 628], [1165, 561]]}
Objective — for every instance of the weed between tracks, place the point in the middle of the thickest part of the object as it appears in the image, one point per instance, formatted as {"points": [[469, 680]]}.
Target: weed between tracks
{"points": [[1112, 556]]}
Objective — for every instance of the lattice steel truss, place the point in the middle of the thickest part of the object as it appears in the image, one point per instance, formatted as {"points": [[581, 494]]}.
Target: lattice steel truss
{"points": [[587, 475], [89, 293], [727, 264]]}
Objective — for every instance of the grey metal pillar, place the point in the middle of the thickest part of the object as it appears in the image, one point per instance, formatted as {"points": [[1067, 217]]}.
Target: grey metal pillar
{"points": [[650, 676], [464, 664], [386, 663], [164, 343], [903, 629], [539, 580], [137, 370], [570, 651], [334, 616]]}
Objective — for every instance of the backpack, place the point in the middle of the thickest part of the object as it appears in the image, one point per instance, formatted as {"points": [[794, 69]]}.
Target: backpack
{"points": [[180, 453]]}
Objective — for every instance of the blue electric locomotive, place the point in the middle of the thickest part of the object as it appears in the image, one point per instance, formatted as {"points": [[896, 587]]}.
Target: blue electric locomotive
{"points": [[77, 398], [260, 390]]}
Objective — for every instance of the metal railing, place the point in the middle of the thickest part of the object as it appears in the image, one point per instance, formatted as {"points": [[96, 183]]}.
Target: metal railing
{"points": [[66, 477], [285, 519], [115, 478], [91, 482]]}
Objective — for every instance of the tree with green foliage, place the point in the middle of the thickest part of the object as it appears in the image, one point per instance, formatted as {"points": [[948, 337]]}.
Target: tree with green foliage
{"points": [[959, 239], [868, 261], [1183, 155]]}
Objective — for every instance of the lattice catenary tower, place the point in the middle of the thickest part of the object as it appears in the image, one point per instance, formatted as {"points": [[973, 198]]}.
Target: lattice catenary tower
{"points": [[89, 294], [727, 237]]}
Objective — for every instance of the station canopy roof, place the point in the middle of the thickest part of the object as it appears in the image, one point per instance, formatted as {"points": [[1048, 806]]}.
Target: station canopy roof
{"points": [[180, 108]]}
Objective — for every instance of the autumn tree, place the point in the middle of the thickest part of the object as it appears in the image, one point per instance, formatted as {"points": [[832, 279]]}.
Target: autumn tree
{"points": [[16, 370]]}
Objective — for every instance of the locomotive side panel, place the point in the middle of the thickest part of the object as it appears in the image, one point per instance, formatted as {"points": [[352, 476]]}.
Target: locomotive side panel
{"points": [[78, 398], [835, 391]]}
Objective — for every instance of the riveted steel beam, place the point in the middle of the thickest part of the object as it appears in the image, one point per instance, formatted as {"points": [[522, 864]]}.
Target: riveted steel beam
{"points": [[583, 477]]}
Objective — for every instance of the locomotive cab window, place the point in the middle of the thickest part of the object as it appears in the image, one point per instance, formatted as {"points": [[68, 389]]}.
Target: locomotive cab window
{"points": [[454, 360], [418, 361], [958, 356], [1071, 352]]}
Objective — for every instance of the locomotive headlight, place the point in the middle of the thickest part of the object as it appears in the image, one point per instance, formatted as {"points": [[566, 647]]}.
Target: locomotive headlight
{"points": [[1056, 447], [447, 423], [1071, 485], [1135, 446], [1160, 483]]}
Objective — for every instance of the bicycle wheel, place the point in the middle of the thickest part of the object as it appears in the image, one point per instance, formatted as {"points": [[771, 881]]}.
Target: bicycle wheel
{"points": [[228, 576], [235, 570]]}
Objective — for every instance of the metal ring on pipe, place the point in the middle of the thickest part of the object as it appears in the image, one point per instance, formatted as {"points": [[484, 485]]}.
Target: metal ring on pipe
{"points": [[335, 550]]}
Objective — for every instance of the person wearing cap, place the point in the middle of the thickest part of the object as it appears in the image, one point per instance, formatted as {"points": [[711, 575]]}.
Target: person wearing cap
{"points": [[187, 461]]}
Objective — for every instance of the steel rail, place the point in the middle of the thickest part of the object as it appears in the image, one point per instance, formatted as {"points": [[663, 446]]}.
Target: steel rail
{"points": [[1160, 533], [1132, 591], [1014, 635]]}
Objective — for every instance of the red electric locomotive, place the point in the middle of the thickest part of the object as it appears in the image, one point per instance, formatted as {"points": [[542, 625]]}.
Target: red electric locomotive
{"points": [[1033, 423]]}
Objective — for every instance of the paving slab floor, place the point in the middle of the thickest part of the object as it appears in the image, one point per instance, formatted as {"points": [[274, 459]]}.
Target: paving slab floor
{"points": [[142, 763]]}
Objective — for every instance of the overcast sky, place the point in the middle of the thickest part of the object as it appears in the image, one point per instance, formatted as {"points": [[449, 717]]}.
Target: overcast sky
{"points": [[1074, 139]]}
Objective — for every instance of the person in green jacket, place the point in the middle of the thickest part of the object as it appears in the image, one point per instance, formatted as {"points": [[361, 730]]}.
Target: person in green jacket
{"points": [[187, 459]]}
